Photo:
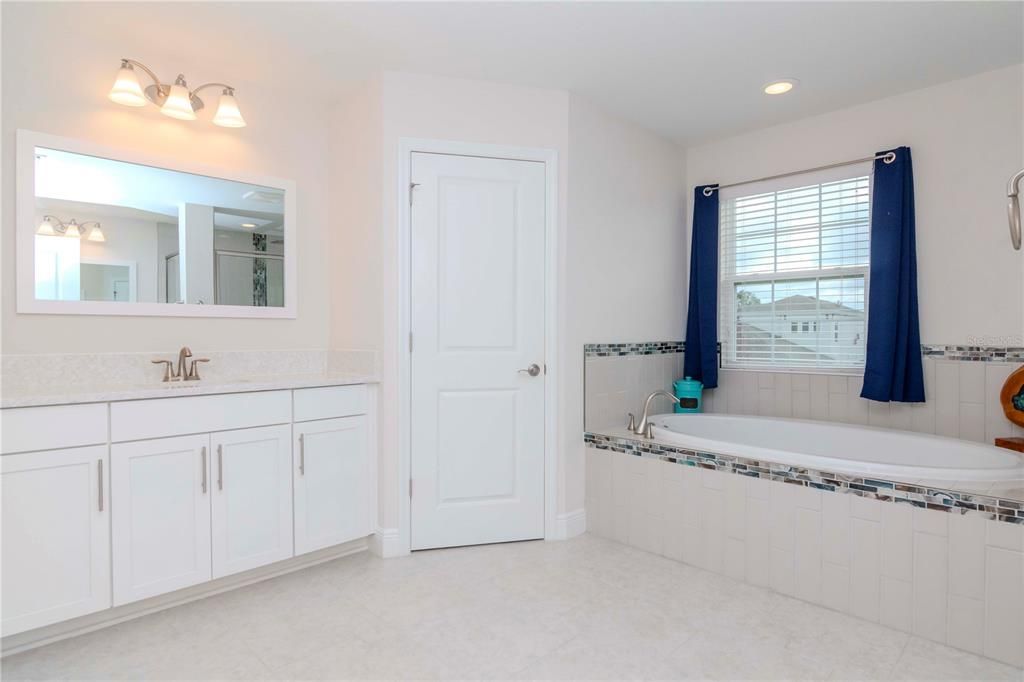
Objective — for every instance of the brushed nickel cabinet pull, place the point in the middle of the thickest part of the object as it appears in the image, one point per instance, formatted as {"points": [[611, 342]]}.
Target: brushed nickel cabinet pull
{"points": [[302, 455], [99, 476], [220, 467], [204, 469]]}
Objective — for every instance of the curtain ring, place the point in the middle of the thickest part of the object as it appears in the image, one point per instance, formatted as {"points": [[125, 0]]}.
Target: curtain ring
{"points": [[889, 157], [708, 191]]}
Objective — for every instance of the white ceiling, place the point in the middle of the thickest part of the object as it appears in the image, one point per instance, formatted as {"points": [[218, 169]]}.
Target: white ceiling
{"points": [[691, 71]]}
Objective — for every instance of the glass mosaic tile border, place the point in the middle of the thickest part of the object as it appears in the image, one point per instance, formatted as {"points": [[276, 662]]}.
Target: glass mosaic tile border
{"points": [[974, 353], [956, 502], [958, 353], [603, 350]]}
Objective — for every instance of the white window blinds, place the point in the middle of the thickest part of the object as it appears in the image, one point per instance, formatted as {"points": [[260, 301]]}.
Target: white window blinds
{"points": [[793, 270]]}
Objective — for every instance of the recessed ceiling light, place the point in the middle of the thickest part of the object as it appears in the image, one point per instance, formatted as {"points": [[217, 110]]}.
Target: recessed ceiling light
{"points": [[780, 87], [249, 225]]}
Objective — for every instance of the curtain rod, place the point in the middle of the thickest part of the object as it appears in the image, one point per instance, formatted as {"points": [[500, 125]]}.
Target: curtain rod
{"points": [[888, 157]]}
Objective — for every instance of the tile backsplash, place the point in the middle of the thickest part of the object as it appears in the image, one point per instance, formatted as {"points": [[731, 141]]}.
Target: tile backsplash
{"points": [[962, 386], [42, 372]]}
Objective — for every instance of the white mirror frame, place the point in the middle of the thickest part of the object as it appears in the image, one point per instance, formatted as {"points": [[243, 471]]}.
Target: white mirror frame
{"points": [[25, 230]]}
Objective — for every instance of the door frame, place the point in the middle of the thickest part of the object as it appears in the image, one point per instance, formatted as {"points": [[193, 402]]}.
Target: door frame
{"points": [[549, 157]]}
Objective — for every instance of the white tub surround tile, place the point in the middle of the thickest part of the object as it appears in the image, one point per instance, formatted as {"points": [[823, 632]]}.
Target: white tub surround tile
{"points": [[962, 384], [950, 578], [1004, 605], [618, 377], [1004, 501], [931, 586]]}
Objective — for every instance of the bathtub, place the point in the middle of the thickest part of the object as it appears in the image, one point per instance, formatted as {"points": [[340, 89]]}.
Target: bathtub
{"points": [[840, 448]]}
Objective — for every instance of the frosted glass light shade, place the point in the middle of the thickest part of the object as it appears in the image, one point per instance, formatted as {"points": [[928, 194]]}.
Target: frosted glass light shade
{"points": [[96, 235], [127, 90], [46, 227], [228, 114], [73, 231], [178, 104]]}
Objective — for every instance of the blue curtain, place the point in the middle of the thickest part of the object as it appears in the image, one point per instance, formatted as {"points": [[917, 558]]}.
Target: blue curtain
{"points": [[893, 370], [701, 358]]}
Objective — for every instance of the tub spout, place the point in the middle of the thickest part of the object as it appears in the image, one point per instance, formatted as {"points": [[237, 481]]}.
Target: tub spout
{"points": [[641, 428]]}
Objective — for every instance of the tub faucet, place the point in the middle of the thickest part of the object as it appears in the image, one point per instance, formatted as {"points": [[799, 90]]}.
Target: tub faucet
{"points": [[643, 428]]}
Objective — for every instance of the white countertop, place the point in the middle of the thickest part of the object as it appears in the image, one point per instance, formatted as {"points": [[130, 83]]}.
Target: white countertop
{"points": [[113, 393]]}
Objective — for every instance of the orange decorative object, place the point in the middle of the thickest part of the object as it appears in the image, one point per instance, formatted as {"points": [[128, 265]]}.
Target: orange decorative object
{"points": [[1012, 397], [1011, 443]]}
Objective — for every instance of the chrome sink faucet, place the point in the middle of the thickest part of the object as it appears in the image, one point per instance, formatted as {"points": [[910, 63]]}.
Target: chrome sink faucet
{"points": [[644, 428], [184, 371]]}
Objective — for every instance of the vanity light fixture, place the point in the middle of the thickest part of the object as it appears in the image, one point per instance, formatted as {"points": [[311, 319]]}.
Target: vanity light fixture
{"points": [[175, 100], [780, 87], [53, 226]]}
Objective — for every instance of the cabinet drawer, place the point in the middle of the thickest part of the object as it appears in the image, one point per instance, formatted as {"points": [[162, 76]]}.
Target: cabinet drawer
{"points": [[49, 428], [329, 402], [141, 419]]}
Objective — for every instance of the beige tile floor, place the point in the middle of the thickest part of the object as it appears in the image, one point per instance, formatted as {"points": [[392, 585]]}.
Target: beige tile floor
{"points": [[583, 609]]}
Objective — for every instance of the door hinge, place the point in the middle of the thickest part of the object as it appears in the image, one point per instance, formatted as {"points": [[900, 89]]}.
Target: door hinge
{"points": [[410, 342], [412, 186]]}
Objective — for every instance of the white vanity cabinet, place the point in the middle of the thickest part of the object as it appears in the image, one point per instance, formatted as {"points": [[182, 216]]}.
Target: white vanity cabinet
{"points": [[107, 504], [252, 498], [332, 468], [161, 519], [56, 536]]}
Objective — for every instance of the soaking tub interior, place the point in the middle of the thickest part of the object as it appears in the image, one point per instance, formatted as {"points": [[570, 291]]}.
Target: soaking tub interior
{"points": [[860, 450]]}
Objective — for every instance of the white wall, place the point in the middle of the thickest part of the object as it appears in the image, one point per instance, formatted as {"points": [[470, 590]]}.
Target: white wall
{"points": [[389, 108], [626, 252], [44, 91], [966, 137]]}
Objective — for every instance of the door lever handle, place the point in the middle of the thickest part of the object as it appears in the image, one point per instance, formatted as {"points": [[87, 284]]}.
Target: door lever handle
{"points": [[533, 370]]}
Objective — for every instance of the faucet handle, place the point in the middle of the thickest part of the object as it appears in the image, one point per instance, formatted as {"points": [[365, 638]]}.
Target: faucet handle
{"points": [[167, 368], [193, 371], [632, 422], [649, 431]]}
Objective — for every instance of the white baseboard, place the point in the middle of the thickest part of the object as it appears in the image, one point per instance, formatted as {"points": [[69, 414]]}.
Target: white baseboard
{"points": [[48, 634], [569, 525], [385, 543]]}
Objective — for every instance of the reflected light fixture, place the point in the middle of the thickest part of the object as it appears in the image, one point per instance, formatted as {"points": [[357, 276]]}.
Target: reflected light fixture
{"points": [[176, 100], [780, 87], [52, 226]]}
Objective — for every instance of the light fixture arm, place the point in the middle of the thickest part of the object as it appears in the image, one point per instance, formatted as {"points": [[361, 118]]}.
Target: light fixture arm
{"points": [[224, 86], [149, 71], [1013, 207]]}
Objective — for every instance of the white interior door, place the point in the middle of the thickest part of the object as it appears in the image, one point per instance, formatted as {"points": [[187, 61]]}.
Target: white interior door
{"points": [[161, 519], [478, 324], [252, 498]]}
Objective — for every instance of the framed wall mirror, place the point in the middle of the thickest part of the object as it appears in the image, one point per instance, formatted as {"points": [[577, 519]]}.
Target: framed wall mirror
{"points": [[108, 232]]}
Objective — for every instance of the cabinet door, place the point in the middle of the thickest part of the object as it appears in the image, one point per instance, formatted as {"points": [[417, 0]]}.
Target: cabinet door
{"points": [[161, 515], [252, 498], [56, 536], [332, 482]]}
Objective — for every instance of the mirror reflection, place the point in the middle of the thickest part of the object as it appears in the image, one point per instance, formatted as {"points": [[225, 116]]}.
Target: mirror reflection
{"points": [[107, 230]]}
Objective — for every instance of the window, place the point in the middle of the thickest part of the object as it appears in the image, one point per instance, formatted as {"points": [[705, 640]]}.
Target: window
{"points": [[794, 265]]}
